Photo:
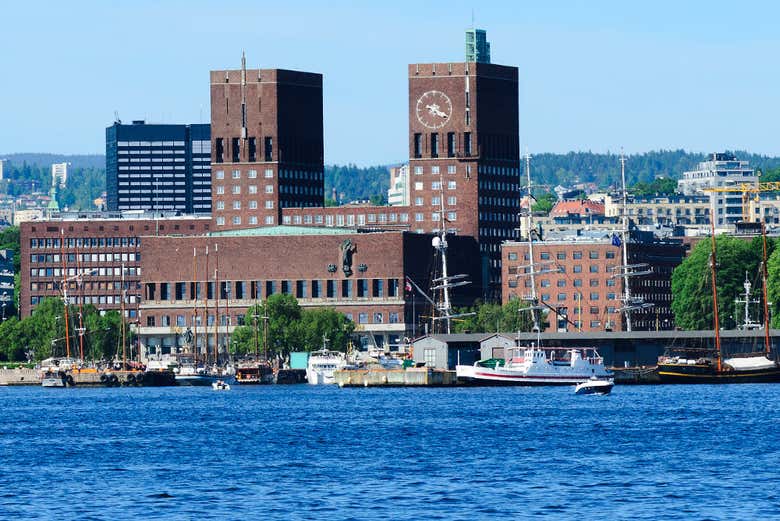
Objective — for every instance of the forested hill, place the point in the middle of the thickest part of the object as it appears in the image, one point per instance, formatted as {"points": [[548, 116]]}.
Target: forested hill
{"points": [[359, 183]]}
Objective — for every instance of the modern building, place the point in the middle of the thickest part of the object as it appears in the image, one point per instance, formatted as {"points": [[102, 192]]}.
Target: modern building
{"points": [[663, 210], [158, 167], [98, 245], [464, 154], [360, 274], [721, 170], [266, 145], [477, 46], [59, 174], [7, 308], [398, 193], [2, 166], [579, 283]]}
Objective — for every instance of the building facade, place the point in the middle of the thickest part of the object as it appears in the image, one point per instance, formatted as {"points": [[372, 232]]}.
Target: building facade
{"points": [[266, 145], [398, 193], [97, 245], [580, 287], [59, 174], [477, 46], [161, 168], [464, 155], [182, 284], [7, 283], [665, 210], [720, 170]]}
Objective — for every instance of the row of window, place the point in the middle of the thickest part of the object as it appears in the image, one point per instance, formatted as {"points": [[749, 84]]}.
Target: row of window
{"points": [[239, 290], [85, 242], [346, 220], [86, 257], [252, 219], [85, 286], [252, 205], [436, 201], [236, 189], [95, 272], [436, 185], [433, 145], [239, 319], [561, 255]]}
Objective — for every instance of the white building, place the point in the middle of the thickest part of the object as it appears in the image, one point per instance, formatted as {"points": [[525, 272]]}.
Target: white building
{"points": [[2, 162], [398, 194], [59, 174], [720, 170]]}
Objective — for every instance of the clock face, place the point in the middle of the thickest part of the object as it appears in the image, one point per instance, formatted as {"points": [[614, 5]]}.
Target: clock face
{"points": [[434, 109]]}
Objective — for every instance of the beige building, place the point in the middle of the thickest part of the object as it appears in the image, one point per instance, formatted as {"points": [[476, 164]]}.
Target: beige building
{"points": [[665, 210], [21, 216]]}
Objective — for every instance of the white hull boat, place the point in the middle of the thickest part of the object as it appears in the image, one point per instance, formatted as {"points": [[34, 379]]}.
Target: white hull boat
{"points": [[322, 365], [538, 366], [219, 385], [595, 386]]}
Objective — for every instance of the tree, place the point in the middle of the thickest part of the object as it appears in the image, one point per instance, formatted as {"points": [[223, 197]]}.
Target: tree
{"points": [[545, 202], [325, 325], [494, 318], [691, 281]]}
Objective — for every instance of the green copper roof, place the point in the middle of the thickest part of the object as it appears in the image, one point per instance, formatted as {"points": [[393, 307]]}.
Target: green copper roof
{"points": [[276, 231]]}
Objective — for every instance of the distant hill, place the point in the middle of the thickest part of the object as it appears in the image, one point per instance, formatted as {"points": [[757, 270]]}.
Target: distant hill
{"points": [[352, 182], [45, 160]]}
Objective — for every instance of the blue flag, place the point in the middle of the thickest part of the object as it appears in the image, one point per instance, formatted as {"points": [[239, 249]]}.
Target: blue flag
{"points": [[616, 240]]}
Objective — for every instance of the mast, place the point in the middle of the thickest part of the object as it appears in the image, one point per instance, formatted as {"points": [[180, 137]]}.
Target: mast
{"points": [[626, 285], [216, 305], [535, 308], [122, 313], [64, 292], [713, 264], [206, 311], [255, 316], [767, 342], [80, 286], [195, 304]]}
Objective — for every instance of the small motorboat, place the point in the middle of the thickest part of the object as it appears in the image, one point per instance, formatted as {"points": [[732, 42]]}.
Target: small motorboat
{"points": [[220, 385], [594, 386]]}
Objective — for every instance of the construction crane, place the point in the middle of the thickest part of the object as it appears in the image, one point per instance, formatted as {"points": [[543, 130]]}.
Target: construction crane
{"points": [[750, 192]]}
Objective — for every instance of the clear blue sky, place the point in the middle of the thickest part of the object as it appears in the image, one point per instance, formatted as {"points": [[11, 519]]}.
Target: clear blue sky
{"points": [[594, 75]]}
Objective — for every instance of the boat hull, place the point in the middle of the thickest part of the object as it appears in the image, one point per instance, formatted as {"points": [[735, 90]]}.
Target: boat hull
{"points": [[476, 375], [594, 388], [196, 380], [709, 374]]}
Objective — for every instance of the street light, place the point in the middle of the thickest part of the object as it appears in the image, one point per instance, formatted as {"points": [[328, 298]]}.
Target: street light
{"points": [[5, 301]]}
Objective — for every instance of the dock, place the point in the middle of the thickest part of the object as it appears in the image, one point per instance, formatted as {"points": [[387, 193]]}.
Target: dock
{"points": [[380, 377]]}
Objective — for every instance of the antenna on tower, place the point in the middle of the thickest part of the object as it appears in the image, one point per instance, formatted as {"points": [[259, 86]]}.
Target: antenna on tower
{"points": [[116, 117], [243, 94]]}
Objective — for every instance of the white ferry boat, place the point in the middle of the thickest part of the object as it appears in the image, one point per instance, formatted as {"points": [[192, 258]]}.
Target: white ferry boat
{"points": [[537, 366], [322, 365]]}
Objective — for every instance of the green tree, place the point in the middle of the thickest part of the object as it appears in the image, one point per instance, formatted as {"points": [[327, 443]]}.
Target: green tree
{"points": [[494, 318], [325, 325], [545, 202], [692, 287]]}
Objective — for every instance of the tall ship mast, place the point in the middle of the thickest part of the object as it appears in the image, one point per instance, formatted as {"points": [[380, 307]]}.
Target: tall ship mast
{"points": [[626, 270]]}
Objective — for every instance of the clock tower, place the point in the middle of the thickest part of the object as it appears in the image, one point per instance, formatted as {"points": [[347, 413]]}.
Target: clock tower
{"points": [[464, 156]]}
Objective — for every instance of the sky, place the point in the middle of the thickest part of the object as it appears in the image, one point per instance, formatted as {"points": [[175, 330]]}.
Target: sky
{"points": [[596, 75]]}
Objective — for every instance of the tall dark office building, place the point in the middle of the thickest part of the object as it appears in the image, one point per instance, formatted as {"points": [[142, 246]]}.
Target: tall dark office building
{"points": [[158, 167]]}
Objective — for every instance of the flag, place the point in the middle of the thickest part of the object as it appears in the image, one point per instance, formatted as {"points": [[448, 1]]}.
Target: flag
{"points": [[616, 240], [408, 285]]}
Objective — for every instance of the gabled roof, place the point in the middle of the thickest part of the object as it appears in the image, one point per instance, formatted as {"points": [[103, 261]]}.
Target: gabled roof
{"points": [[582, 207]]}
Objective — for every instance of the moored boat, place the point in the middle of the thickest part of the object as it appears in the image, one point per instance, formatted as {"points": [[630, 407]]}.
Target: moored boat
{"points": [[322, 364]]}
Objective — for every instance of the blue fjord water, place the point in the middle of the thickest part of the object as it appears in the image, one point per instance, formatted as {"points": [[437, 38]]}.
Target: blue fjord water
{"points": [[304, 452]]}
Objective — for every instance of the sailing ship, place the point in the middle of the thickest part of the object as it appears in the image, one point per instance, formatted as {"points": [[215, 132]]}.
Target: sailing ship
{"points": [[536, 365], [256, 370], [689, 364]]}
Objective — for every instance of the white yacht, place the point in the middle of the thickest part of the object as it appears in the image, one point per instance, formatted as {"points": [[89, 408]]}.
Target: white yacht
{"points": [[537, 366], [322, 364]]}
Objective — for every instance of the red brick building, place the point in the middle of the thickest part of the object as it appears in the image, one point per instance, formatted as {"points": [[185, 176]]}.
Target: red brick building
{"points": [[266, 145], [304, 262], [580, 286], [93, 243], [464, 154]]}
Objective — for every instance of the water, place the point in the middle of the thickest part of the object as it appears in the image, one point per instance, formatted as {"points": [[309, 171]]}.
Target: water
{"points": [[303, 452]]}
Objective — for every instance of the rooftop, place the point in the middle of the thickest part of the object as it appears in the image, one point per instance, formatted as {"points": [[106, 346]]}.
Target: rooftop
{"points": [[275, 231]]}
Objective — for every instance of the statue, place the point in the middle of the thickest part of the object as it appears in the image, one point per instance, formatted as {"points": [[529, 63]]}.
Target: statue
{"points": [[347, 250]]}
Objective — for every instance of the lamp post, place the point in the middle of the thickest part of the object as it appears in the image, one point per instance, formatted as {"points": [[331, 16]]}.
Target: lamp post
{"points": [[5, 301]]}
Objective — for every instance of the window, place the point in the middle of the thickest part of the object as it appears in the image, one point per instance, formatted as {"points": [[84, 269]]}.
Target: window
{"points": [[236, 174], [512, 256], [236, 189], [252, 151], [452, 216], [594, 283], [576, 255], [594, 295], [252, 219], [269, 189], [450, 144], [219, 174], [269, 173], [362, 288], [269, 219], [378, 318], [594, 268], [236, 205], [417, 145], [452, 185], [378, 288], [362, 318], [560, 255], [435, 200], [393, 317], [577, 268], [436, 185], [419, 217], [430, 357], [220, 150], [561, 296], [269, 149], [220, 205], [316, 289], [220, 221], [331, 289], [452, 200], [577, 283], [269, 204], [467, 144], [434, 145], [220, 190], [561, 283], [236, 219], [252, 205], [418, 185], [252, 189], [346, 289], [418, 170], [236, 148], [418, 201], [435, 170], [452, 169]]}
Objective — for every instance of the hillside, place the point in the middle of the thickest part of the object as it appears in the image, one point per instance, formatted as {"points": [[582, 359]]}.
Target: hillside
{"points": [[359, 183]]}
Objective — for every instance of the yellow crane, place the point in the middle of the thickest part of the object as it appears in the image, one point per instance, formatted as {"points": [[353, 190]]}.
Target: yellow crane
{"points": [[750, 192]]}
